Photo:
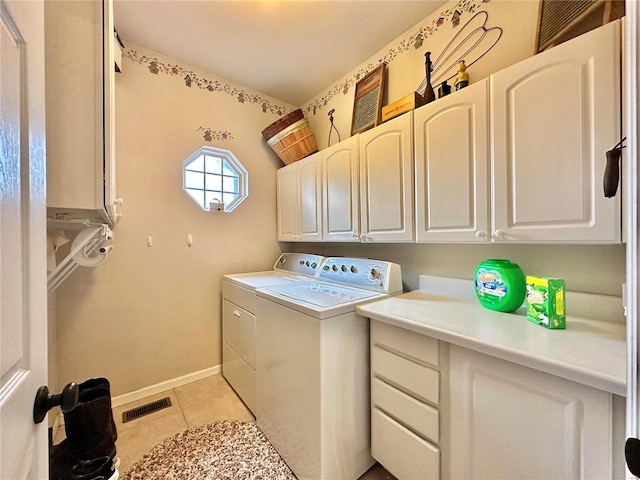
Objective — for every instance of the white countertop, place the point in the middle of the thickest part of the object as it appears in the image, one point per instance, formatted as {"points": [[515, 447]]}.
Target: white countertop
{"points": [[590, 352]]}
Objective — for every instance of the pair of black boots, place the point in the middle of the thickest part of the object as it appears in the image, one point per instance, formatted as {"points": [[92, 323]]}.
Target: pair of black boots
{"points": [[89, 451]]}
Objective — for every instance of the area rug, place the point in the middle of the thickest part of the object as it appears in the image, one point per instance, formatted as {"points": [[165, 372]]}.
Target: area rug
{"points": [[221, 450]]}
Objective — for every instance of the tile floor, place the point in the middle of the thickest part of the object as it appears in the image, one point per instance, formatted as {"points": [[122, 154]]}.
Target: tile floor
{"points": [[197, 403]]}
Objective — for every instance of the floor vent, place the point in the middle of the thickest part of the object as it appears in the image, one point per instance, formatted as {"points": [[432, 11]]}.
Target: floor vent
{"points": [[145, 409]]}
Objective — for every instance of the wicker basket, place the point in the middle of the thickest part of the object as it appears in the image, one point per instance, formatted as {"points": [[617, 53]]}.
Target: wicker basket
{"points": [[294, 142], [282, 123]]}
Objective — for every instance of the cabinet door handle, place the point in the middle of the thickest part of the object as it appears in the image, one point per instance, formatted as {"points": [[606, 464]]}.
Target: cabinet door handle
{"points": [[481, 234], [236, 313], [499, 234]]}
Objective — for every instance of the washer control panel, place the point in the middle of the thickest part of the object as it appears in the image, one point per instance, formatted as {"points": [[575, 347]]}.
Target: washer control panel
{"points": [[378, 275], [301, 263]]}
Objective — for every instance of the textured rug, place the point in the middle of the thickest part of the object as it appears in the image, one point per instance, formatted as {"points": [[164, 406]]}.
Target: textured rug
{"points": [[222, 450]]}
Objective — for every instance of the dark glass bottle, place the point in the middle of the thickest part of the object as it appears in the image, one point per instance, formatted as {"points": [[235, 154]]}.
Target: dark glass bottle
{"points": [[429, 94]]}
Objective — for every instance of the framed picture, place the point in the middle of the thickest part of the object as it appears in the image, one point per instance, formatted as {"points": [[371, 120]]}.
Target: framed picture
{"points": [[368, 100], [559, 21]]}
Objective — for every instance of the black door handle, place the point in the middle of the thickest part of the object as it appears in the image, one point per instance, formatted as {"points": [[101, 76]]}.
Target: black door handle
{"points": [[612, 173], [612, 170], [632, 455], [67, 400]]}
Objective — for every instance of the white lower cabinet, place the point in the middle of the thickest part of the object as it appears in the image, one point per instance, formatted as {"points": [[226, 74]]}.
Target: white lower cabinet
{"points": [[405, 394], [442, 411], [512, 422]]}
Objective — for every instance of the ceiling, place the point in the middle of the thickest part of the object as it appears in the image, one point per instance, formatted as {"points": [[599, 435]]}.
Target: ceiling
{"points": [[290, 50]]}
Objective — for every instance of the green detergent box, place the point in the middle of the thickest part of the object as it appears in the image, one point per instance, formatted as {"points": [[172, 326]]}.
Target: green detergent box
{"points": [[545, 301]]}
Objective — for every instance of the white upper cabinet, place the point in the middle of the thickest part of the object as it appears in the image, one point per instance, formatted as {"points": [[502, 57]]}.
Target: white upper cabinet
{"points": [[386, 181], [299, 200], [80, 103], [553, 117], [341, 215], [452, 167]]}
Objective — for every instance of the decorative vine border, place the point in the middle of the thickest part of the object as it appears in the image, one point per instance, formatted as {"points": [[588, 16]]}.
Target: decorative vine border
{"points": [[191, 78], [211, 134], [416, 39]]}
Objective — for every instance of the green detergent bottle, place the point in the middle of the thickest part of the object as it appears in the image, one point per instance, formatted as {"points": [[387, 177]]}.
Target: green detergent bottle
{"points": [[500, 285]]}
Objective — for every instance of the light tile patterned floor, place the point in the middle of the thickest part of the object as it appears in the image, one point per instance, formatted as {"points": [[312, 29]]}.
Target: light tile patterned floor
{"points": [[197, 403]]}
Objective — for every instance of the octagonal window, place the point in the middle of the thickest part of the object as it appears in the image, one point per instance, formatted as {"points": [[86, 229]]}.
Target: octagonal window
{"points": [[214, 177]]}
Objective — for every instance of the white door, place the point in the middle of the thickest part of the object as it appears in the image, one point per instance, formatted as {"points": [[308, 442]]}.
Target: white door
{"points": [[452, 168], [23, 293], [286, 204], [386, 181], [548, 168], [630, 157], [341, 220], [310, 198]]}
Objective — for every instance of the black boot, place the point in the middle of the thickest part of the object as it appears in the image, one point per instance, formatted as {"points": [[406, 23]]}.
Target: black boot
{"points": [[88, 390], [100, 468], [91, 430]]}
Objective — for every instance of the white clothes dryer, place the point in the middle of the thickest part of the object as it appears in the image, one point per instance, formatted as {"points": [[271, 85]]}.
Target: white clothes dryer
{"points": [[312, 367], [238, 317]]}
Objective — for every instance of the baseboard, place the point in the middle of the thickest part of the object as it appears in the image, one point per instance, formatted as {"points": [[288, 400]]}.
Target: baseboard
{"points": [[164, 386], [58, 422]]}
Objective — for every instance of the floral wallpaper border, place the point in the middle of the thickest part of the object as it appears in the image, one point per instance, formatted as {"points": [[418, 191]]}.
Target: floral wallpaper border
{"points": [[415, 40], [211, 134], [191, 78]]}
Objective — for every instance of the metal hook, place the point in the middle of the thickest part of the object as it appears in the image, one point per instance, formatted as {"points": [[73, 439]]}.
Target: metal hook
{"points": [[332, 127]]}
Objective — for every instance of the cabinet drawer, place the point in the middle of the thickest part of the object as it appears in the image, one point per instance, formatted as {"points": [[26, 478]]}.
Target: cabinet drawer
{"points": [[240, 296], [419, 417], [401, 452], [238, 331], [413, 378], [240, 376], [424, 349]]}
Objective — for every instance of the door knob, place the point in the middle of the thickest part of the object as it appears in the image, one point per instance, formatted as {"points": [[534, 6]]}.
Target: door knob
{"points": [[632, 455], [67, 400]]}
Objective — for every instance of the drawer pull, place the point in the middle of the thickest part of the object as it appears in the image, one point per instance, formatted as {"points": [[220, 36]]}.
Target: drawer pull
{"points": [[236, 313]]}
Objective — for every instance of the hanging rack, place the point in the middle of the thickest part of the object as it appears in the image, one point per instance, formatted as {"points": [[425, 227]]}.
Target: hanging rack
{"points": [[87, 249], [471, 48]]}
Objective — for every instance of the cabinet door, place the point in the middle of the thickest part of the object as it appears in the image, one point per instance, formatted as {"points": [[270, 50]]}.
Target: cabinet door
{"points": [[554, 116], [80, 102], [287, 202], [452, 174], [310, 198], [386, 181], [512, 422], [341, 220]]}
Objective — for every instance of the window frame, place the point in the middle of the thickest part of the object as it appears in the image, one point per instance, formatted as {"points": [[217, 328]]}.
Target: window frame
{"points": [[232, 161]]}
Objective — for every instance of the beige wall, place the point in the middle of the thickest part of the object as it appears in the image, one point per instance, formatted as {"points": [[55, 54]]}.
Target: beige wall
{"points": [[586, 268], [595, 269], [150, 314], [405, 63]]}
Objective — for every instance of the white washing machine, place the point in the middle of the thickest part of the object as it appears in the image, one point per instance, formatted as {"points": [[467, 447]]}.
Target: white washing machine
{"points": [[312, 367], [238, 317]]}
